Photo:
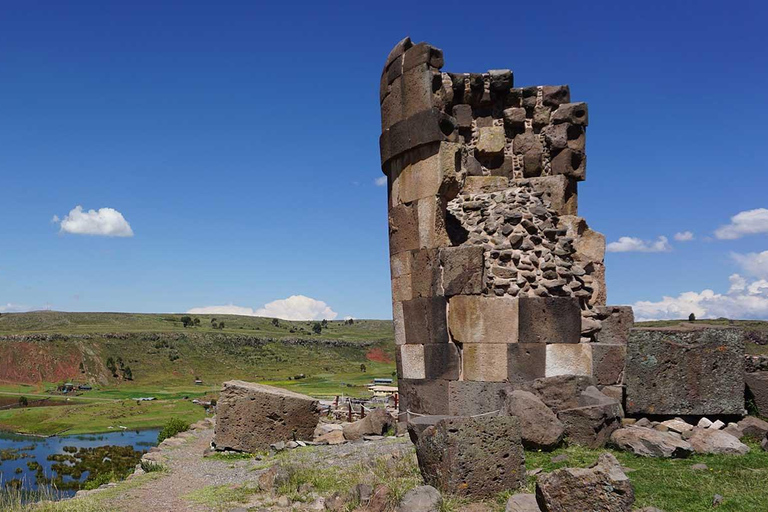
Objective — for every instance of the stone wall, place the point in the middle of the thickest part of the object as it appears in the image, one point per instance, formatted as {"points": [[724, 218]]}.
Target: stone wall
{"points": [[495, 278]]}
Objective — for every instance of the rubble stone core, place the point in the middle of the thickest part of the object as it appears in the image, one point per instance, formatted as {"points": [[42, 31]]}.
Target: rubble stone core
{"points": [[495, 278]]}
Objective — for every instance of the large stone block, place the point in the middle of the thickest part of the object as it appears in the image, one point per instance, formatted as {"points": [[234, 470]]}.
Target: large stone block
{"points": [[485, 362], [757, 390], [480, 319], [250, 417], [434, 361], [427, 171], [559, 192], [592, 423], [417, 90], [685, 372], [462, 270], [431, 221], [491, 141], [608, 363], [477, 457], [526, 361], [616, 321], [561, 392], [549, 320], [398, 322], [403, 228], [421, 128], [424, 320], [425, 273], [570, 163], [484, 184], [568, 359], [423, 396], [470, 398]]}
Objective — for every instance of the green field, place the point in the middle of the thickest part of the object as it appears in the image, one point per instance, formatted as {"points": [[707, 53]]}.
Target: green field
{"points": [[41, 350]]}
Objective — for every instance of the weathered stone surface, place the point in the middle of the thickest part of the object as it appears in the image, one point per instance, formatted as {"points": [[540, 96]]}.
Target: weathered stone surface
{"points": [[424, 498], [757, 390], [462, 270], [561, 392], [559, 191], [424, 320], [574, 113], [716, 442], [549, 320], [403, 228], [490, 141], [376, 422], [485, 362], [469, 398], [418, 424], [423, 396], [250, 417], [615, 323], [677, 425], [484, 184], [432, 361], [476, 457], [526, 361], [685, 372], [480, 319], [608, 363], [651, 443], [753, 427], [568, 359], [592, 423], [522, 503], [602, 487], [540, 427]]}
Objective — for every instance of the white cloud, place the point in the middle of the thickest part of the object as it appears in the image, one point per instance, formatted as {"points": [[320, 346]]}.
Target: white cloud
{"points": [[14, 308], [295, 307], [104, 222], [749, 222], [753, 263], [381, 181], [744, 300], [684, 236], [631, 244], [55, 219]]}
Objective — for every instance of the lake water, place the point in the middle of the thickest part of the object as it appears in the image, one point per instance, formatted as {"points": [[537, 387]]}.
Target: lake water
{"points": [[38, 449]]}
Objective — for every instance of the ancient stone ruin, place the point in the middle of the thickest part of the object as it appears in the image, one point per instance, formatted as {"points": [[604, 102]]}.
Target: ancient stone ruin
{"points": [[495, 277]]}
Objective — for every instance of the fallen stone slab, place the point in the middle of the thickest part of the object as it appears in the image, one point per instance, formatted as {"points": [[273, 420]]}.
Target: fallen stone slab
{"points": [[424, 498], [753, 427], [651, 443], [677, 372], [603, 487], [376, 423], [250, 417], [677, 425], [716, 442], [592, 423], [476, 457], [540, 427], [522, 503]]}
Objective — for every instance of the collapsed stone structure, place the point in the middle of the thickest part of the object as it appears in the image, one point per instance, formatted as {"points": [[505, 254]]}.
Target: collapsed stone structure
{"points": [[495, 278]]}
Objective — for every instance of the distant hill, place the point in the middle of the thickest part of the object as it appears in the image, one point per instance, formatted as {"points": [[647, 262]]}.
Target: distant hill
{"points": [[161, 353]]}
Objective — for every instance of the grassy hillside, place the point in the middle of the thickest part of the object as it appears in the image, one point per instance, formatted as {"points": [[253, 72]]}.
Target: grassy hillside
{"points": [[126, 356]]}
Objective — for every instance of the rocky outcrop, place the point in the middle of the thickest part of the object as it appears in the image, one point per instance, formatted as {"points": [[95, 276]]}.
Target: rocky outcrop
{"points": [[250, 417]]}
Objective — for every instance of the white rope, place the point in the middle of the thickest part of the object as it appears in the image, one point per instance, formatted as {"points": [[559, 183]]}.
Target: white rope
{"points": [[411, 413]]}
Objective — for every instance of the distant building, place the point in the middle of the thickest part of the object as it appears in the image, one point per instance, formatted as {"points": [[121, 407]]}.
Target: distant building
{"points": [[382, 381], [144, 398], [383, 390], [84, 387], [198, 382]]}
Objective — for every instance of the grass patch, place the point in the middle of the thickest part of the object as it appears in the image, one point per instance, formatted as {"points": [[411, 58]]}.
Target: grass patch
{"points": [[221, 497]]}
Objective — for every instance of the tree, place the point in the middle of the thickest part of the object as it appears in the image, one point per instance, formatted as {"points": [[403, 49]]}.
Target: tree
{"points": [[214, 325], [276, 322], [186, 321], [221, 325], [127, 373], [691, 317], [324, 323], [317, 328], [213, 321], [196, 321], [362, 368], [111, 366], [23, 402]]}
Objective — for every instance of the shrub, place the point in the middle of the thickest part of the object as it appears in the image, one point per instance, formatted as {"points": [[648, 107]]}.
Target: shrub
{"points": [[172, 427], [150, 466]]}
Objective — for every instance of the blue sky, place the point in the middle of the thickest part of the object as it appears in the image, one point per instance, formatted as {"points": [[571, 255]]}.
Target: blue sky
{"points": [[239, 142]]}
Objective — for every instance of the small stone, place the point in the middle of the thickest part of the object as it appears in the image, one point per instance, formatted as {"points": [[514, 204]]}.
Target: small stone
{"points": [[283, 502], [699, 467], [717, 500], [704, 423], [559, 458], [424, 498], [717, 425], [522, 503]]}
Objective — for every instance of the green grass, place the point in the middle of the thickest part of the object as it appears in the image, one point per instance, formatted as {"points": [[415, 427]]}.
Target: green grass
{"points": [[222, 497], [98, 417]]}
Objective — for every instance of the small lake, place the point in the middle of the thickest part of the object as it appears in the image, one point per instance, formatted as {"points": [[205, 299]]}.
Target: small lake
{"points": [[31, 450]]}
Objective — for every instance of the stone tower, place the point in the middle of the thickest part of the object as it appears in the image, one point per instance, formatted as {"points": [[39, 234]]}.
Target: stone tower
{"points": [[496, 280]]}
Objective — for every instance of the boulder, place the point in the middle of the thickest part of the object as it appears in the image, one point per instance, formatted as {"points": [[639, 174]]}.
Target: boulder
{"points": [[602, 487], [757, 390], [540, 427], [753, 427], [250, 417], [424, 498], [681, 372], [332, 437], [650, 442], [734, 430], [476, 457], [594, 420], [522, 503], [560, 392], [376, 423], [716, 442]]}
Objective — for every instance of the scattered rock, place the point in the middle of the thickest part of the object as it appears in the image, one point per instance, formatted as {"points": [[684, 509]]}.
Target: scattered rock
{"points": [[332, 437], [753, 427], [363, 493], [540, 427], [336, 502], [651, 442], [377, 422], [379, 499], [717, 500], [283, 502], [273, 478], [602, 487], [716, 441], [699, 467], [421, 499], [477, 457], [593, 423], [278, 446], [734, 430], [522, 503], [644, 422], [704, 423], [677, 425], [559, 458], [717, 425]]}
